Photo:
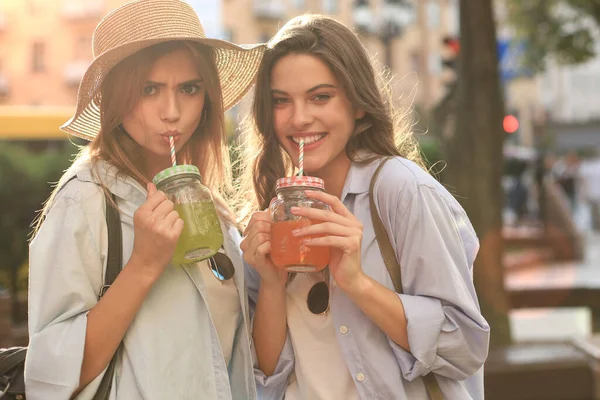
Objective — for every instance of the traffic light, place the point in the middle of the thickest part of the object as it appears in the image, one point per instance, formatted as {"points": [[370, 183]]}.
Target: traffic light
{"points": [[510, 124], [451, 48], [450, 51]]}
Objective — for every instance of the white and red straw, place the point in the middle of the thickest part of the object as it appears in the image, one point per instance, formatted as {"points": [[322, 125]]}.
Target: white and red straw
{"points": [[172, 144], [301, 159]]}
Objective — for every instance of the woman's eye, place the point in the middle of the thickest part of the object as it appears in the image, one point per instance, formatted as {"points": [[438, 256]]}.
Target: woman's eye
{"points": [[190, 89], [279, 100], [322, 97], [149, 90]]}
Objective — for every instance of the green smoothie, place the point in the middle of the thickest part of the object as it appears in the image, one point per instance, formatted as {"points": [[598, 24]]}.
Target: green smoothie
{"points": [[201, 237]]}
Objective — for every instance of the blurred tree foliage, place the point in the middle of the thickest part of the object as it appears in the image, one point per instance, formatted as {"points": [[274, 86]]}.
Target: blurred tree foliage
{"points": [[565, 30], [26, 174]]}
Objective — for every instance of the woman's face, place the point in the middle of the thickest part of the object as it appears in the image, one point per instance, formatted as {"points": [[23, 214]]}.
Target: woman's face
{"points": [[309, 103], [171, 105]]}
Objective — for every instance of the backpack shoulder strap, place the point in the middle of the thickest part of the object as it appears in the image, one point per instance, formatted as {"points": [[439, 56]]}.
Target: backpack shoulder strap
{"points": [[113, 267], [383, 239], [393, 267], [115, 244]]}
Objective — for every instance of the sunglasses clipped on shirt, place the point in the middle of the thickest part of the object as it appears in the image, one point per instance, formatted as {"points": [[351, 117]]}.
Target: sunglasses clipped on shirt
{"points": [[221, 267], [317, 299]]}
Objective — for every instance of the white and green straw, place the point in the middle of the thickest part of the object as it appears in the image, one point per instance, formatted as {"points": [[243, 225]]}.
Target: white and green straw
{"points": [[301, 159], [172, 144]]}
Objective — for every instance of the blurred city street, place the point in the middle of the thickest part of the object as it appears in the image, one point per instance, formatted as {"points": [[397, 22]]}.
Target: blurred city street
{"points": [[501, 96], [557, 323]]}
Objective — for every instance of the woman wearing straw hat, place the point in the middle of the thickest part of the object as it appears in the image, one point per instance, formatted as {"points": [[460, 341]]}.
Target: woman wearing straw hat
{"points": [[154, 76], [381, 331]]}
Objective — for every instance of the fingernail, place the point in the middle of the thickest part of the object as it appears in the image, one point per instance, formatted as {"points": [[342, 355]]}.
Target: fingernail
{"points": [[295, 209], [295, 232]]}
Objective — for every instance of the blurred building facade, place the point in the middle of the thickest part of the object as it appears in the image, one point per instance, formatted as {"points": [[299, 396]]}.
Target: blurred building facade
{"points": [[570, 93], [415, 53], [570, 100], [45, 45]]}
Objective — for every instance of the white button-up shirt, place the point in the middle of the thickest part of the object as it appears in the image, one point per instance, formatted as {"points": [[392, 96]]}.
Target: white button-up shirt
{"points": [[171, 350], [436, 247]]}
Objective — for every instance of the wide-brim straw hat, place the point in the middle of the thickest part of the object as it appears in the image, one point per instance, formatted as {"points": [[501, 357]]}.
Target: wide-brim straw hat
{"points": [[144, 23]]}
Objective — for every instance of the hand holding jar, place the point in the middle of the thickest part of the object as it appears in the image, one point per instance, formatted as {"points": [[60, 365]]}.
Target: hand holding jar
{"points": [[157, 229], [288, 251], [256, 246], [337, 230], [201, 236]]}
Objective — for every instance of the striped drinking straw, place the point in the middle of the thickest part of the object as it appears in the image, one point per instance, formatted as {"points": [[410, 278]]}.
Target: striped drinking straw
{"points": [[301, 159], [172, 144]]}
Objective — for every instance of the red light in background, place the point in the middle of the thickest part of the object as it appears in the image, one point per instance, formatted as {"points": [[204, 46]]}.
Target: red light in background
{"points": [[510, 124]]}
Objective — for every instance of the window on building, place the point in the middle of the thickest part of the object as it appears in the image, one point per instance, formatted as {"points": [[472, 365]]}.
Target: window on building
{"points": [[330, 6], [3, 82], [37, 64], [433, 14], [83, 46], [415, 61], [435, 64], [454, 18]]}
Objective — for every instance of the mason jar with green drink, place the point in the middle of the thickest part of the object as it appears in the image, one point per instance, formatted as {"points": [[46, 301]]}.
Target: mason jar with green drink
{"points": [[201, 237]]}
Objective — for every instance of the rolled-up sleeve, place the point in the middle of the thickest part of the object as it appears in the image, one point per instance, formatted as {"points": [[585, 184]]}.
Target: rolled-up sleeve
{"points": [[64, 268], [446, 332], [271, 387]]}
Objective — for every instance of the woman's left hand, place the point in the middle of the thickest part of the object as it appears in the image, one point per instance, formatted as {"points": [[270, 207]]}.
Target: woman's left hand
{"points": [[341, 232]]}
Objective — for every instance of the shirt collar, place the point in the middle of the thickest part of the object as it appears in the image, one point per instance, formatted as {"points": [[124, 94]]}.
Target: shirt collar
{"points": [[121, 185], [359, 176]]}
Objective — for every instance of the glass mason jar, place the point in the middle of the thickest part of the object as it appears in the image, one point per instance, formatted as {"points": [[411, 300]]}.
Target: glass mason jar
{"points": [[201, 237], [287, 251]]}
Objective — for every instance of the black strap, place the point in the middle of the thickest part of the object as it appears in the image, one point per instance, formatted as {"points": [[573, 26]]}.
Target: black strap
{"points": [[115, 244], [393, 267], [113, 267]]}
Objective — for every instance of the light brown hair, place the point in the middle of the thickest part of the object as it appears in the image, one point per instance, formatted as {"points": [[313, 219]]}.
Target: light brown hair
{"points": [[383, 131], [122, 89]]}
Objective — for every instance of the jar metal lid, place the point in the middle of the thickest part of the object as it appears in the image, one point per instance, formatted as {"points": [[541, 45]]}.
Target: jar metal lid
{"points": [[175, 171], [300, 181]]}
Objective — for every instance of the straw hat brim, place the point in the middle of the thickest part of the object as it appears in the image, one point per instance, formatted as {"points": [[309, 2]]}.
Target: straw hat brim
{"points": [[236, 64]]}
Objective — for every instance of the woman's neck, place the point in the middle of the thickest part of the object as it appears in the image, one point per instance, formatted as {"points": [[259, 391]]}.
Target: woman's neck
{"points": [[155, 164], [334, 175]]}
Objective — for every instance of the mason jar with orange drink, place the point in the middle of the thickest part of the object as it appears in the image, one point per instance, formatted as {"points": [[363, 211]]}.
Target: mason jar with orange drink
{"points": [[288, 252]]}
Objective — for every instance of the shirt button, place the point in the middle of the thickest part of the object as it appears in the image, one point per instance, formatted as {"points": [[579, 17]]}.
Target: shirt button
{"points": [[343, 329], [360, 377]]}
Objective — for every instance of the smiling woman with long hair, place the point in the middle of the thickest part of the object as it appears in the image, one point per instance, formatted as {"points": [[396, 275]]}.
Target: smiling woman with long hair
{"points": [[383, 337]]}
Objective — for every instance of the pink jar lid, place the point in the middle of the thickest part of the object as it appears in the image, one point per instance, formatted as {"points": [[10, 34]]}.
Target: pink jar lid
{"points": [[300, 181]]}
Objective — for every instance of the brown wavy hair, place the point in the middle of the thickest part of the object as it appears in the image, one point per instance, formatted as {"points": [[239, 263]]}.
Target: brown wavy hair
{"points": [[383, 131], [122, 89]]}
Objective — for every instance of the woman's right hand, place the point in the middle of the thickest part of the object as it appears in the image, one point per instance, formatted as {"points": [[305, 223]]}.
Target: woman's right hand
{"points": [[256, 246], [157, 228]]}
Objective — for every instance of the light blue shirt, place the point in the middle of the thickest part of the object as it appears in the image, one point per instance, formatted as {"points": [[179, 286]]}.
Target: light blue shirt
{"points": [[436, 246], [171, 349]]}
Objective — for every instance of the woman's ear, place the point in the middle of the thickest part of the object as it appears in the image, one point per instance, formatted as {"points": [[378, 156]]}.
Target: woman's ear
{"points": [[358, 114]]}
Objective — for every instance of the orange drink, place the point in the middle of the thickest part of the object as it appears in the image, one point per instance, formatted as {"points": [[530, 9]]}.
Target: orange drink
{"points": [[289, 253]]}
